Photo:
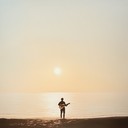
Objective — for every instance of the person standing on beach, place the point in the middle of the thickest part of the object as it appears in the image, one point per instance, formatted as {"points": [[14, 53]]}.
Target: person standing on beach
{"points": [[62, 105]]}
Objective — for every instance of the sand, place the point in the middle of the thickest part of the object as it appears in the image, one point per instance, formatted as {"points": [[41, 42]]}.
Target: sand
{"points": [[109, 122]]}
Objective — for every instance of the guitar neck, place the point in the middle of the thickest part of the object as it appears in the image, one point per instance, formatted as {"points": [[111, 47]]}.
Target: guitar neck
{"points": [[67, 104]]}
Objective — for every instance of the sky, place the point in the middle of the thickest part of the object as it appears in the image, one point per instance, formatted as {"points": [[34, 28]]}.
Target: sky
{"points": [[86, 39]]}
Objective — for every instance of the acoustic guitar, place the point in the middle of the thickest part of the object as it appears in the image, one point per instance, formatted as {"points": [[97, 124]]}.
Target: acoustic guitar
{"points": [[63, 105]]}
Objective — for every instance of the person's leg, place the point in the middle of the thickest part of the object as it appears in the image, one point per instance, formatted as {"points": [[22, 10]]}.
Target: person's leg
{"points": [[61, 111], [64, 113]]}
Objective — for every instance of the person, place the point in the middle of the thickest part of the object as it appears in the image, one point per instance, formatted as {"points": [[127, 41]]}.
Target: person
{"points": [[62, 105]]}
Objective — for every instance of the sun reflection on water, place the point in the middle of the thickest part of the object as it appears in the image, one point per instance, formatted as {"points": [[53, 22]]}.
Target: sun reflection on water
{"points": [[50, 101]]}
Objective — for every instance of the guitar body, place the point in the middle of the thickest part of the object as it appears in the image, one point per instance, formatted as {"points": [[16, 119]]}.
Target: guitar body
{"points": [[63, 105]]}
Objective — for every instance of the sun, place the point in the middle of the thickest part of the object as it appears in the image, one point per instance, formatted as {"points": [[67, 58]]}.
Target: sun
{"points": [[57, 71]]}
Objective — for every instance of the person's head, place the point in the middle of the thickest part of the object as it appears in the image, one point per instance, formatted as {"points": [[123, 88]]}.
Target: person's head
{"points": [[62, 99]]}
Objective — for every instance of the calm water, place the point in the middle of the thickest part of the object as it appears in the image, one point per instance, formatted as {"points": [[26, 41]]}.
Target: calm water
{"points": [[44, 105]]}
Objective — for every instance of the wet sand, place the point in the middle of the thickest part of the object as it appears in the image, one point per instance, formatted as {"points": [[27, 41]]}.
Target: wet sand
{"points": [[109, 122]]}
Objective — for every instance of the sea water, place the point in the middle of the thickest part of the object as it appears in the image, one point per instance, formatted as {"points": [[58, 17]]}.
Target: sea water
{"points": [[45, 105]]}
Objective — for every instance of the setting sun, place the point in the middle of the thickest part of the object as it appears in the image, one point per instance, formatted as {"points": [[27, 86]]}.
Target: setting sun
{"points": [[57, 71]]}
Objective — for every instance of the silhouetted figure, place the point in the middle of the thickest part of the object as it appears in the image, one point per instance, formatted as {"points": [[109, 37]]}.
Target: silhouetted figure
{"points": [[62, 105]]}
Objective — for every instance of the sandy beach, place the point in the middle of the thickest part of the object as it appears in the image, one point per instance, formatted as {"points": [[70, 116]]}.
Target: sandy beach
{"points": [[109, 122]]}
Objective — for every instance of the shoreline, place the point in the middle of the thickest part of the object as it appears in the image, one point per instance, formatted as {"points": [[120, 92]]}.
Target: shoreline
{"points": [[104, 122], [57, 118]]}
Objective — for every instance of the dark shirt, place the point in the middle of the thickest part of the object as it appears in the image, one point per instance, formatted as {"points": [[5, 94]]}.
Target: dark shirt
{"points": [[61, 103]]}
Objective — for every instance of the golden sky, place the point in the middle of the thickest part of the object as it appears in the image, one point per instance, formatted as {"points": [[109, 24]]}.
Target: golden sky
{"points": [[86, 39]]}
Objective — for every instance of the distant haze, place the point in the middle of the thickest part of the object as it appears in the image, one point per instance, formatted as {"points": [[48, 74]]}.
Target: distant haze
{"points": [[86, 39]]}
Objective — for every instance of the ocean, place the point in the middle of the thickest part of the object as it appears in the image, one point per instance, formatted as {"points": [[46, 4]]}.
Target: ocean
{"points": [[45, 105]]}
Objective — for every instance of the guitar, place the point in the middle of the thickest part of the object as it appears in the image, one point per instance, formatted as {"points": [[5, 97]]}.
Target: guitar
{"points": [[63, 105]]}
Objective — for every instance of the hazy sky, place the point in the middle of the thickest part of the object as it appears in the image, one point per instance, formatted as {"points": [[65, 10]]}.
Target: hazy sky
{"points": [[87, 39]]}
